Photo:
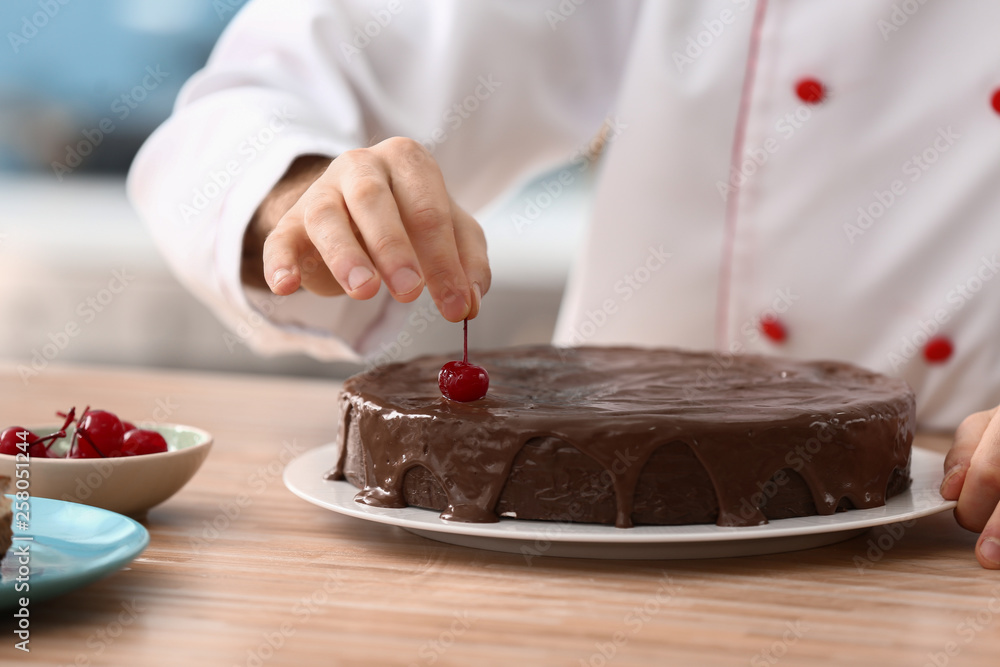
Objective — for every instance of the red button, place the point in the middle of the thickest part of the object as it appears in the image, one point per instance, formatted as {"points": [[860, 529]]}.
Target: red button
{"points": [[773, 329], [810, 91], [996, 100], [938, 350]]}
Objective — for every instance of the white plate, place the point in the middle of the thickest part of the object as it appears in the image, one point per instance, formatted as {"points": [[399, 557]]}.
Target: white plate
{"points": [[304, 477]]}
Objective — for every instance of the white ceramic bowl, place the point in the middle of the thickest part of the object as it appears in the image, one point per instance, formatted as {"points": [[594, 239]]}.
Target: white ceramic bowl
{"points": [[127, 485]]}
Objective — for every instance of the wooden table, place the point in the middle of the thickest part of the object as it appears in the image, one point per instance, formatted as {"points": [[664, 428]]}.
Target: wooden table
{"points": [[278, 581]]}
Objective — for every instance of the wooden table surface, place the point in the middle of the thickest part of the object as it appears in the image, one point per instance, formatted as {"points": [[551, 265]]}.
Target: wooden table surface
{"points": [[278, 581]]}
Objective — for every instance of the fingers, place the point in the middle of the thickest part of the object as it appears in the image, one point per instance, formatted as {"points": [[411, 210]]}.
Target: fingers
{"points": [[988, 546], [956, 463], [282, 248], [471, 243], [980, 490], [369, 204], [381, 214], [293, 259], [427, 215]]}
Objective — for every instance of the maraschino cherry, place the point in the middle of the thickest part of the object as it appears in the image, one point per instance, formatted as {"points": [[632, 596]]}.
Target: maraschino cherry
{"points": [[462, 381], [15, 440], [99, 434], [142, 441]]}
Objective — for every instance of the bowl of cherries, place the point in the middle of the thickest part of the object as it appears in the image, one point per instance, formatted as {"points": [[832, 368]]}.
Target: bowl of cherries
{"points": [[98, 459]]}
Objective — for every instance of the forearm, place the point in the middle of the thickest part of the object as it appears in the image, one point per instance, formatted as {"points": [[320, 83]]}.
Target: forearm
{"points": [[300, 175]]}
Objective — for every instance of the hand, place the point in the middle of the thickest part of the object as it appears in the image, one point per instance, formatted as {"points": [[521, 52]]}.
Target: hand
{"points": [[376, 214], [972, 476]]}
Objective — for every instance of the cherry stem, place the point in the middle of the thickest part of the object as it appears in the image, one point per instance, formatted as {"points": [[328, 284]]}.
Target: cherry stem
{"points": [[465, 343], [86, 436], [61, 433]]}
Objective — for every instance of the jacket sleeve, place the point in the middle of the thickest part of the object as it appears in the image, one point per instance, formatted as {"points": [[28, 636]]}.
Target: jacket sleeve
{"points": [[494, 89]]}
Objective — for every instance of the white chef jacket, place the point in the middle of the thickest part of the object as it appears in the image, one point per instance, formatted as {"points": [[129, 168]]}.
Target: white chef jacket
{"points": [[811, 179]]}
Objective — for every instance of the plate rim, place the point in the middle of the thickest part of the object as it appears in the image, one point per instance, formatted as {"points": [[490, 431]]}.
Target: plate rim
{"points": [[417, 518], [48, 584]]}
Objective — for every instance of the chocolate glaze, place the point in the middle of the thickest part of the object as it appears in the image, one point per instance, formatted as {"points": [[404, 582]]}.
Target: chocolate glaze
{"points": [[628, 435]]}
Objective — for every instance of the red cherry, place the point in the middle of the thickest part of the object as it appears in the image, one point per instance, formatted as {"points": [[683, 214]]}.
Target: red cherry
{"points": [[99, 434], [141, 441], [40, 450], [128, 426], [462, 381], [12, 441]]}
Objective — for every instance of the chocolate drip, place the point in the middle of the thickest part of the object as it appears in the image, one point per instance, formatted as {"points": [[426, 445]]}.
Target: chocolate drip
{"points": [[337, 472], [845, 431]]}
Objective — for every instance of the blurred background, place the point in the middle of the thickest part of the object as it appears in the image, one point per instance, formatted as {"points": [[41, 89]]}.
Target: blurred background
{"points": [[73, 112]]}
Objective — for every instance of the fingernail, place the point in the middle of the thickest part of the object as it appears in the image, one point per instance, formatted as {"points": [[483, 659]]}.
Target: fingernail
{"points": [[990, 550], [477, 297], [404, 281], [358, 276], [279, 276], [949, 486], [453, 306]]}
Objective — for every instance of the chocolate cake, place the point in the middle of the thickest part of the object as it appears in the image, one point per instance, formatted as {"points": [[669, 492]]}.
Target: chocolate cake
{"points": [[628, 436]]}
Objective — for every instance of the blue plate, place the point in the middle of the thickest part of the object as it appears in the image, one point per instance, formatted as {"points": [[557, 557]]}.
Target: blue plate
{"points": [[73, 545]]}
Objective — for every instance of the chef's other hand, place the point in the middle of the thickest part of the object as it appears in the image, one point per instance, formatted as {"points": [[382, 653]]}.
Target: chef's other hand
{"points": [[344, 226], [972, 476]]}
